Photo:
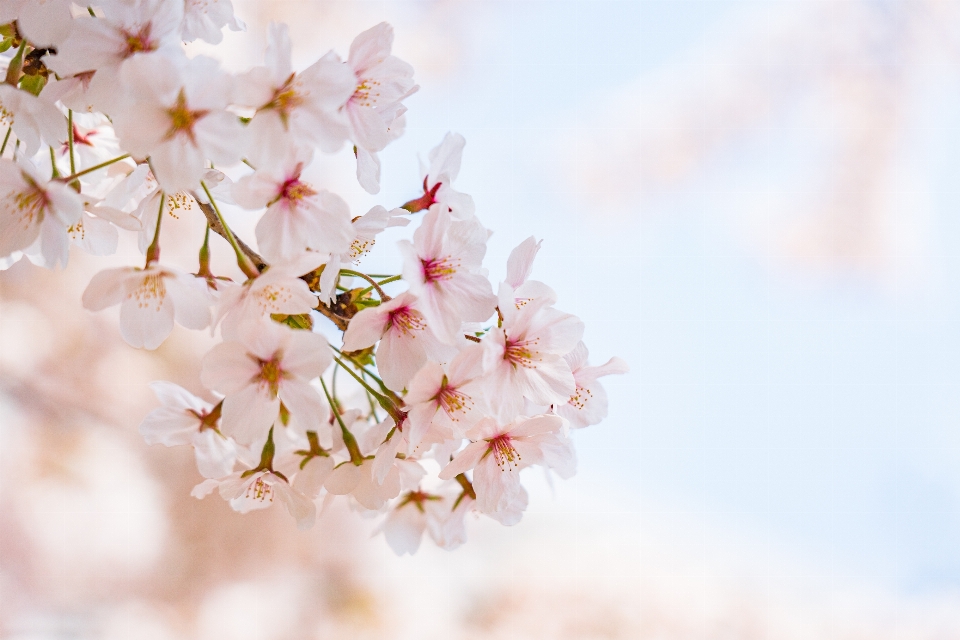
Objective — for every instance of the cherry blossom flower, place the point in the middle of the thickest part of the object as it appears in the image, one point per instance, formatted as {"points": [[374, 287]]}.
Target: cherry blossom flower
{"points": [[34, 209], [44, 23], [33, 119], [498, 453], [150, 300], [375, 110], [445, 399], [361, 482], [184, 419], [437, 180], [266, 368], [524, 358], [588, 404], [299, 217], [406, 341], [293, 106], [100, 46], [249, 492], [442, 267], [364, 232], [177, 117], [205, 20], [415, 512], [519, 266]]}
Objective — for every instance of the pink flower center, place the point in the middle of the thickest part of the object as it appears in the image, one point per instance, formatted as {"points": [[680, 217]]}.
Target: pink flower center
{"points": [[505, 455], [452, 401], [367, 93], [294, 191], [580, 399], [522, 353], [437, 269], [407, 321]]}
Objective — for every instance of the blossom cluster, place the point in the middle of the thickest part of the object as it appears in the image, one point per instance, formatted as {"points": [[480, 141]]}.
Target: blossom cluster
{"points": [[457, 385]]}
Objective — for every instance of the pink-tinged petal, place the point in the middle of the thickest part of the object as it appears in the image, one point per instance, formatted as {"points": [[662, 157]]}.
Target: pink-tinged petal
{"points": [[173, 395], [300, 507], [445, 158], [373, 495], [577, 358], [330, 83], [419, 420], [54, 243], [178, 164], [403, 529], [511, 507], [366, 328], [191, 301], [494, 486], [425, 385], [215, 455], [399, 357], [146, 316], [65, 203], [385, 457], [284, 232], [227, 368], [307, 409], [369, 129], [467, 365], [204, 489], [520, 262], [559, 455], [344, 479], [311, 478], [613, 366], [307, 355], [256, 190], [368, 170], [278, 55], [107, 288], [536, 425], [467, 459], [371, 47], [221, 137], [248, 414], [169, 426]]}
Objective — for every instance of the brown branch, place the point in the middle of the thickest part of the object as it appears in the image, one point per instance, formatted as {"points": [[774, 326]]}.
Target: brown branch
{"points": [[217, 228], [334, 318]]}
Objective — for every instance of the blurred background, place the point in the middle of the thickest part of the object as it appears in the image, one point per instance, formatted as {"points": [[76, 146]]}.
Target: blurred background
{"points": [[752, 202]]}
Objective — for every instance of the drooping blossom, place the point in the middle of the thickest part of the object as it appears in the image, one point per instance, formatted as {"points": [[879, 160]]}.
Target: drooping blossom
{"points": [[442, 266], [150, 300], [294, 107], [184, 419], [588, 404], [498, 454], [406, 340], [375, 109], [417, 512], [438, 179], [264, 368], [249, 492], [32, 209], [364, 232], [524, 357], [299, 217]]}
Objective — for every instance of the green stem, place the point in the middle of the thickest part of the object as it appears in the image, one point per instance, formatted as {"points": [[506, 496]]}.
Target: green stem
{"points": [[73, 165], [387, 403], [153, 251], [243, 261], [348, 272], [95, 167], [382, 282], [358, 365], [54, 173], [373, 405], [6, 139], [355, 456]]}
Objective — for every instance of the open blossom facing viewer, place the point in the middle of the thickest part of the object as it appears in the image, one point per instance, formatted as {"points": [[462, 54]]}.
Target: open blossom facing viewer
{"points": [[432, 393]]}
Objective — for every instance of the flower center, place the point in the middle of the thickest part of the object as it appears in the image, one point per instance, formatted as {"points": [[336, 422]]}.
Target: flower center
{"points": [[438, 269], [260, 490], [270, 374], [407, 321], [506, 456], [30, 203], [294, 191], [522, 353], [452, 401], [271, 297], [580, 398], [286, 98], [138, 41], [182, 118], [367, 93], [151, 292], [360, 247]]}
